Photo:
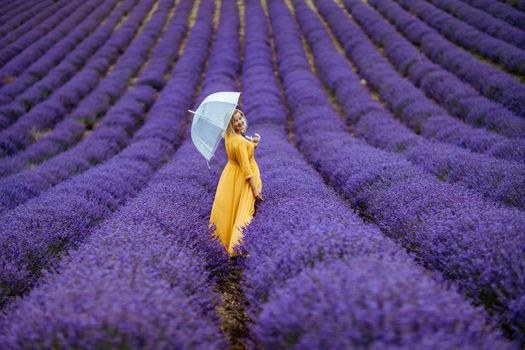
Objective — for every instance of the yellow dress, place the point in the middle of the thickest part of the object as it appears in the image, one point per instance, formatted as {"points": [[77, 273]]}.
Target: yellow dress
{"points": [[234, 203]]}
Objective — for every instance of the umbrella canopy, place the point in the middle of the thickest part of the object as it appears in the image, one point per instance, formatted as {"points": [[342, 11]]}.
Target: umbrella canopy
{"points": [[211, 120]]}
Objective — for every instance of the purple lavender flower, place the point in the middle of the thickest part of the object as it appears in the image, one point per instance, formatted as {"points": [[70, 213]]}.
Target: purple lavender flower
{"points": [[304, 225], [501, 10], [450, 229], [509, 56], [483, 21], [496, 179], [76, 206], [488, 80]]}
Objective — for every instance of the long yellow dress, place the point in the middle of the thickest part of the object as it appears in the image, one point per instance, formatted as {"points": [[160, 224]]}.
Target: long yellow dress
{"points": [[234, 203]]}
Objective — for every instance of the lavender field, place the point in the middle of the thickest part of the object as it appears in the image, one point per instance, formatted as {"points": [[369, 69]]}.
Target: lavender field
{"points": [[392, 157]]}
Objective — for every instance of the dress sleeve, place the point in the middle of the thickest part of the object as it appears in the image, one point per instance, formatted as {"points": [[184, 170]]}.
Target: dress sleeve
{"points": [[241, 152]]}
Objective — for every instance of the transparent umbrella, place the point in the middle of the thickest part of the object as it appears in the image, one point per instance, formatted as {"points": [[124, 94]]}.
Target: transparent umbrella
{"points": [[210, 121]]}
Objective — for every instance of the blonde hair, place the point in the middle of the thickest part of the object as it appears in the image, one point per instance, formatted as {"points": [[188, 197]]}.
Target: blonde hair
{"points": [[230, 129]]}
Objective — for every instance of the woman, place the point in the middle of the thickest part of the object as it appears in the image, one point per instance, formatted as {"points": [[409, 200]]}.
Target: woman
{"points": [[239, 186]]}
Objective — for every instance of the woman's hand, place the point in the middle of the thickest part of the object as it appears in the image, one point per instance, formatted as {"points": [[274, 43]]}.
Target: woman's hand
{"points": [[256, 139], [257, 194]]}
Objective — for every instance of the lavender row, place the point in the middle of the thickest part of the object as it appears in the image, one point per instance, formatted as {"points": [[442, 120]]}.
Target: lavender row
{"points": [[109, 138], [64, 215], [165, 53], [496, 179], [360, 313], [38, 48], [18, 22], [87, 115], [472, 242], [9, 9], [63, 100], [34, 37], [499, 10], [170, 219], [457, 97], [490, 81], [285, 242], [408, 103], [114, 131], [131, 286], [519, 4], [39, 80], [482, 21], [44, 11], [510, 57], [51, 78], [314, 271], [63, 58], [86, 202]]}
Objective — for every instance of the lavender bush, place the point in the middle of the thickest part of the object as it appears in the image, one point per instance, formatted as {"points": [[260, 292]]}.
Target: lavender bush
{"points": [[12, 9], [53, 18], [171, 241], [303, 228], [510, 57], [16, 65], [64, 53], [92, 112], [500, 10], [459, 98], [75, 206], [407, 102], [349, 309], [370, 235], [63, 100], [489, 80], [111, 137], [19, 21], [496, 179], [482, 21], [166, 51], [472, 242], [113, 133], [155, 290]]}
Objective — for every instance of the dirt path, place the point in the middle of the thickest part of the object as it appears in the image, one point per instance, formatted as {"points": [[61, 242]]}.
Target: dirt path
{"points": [[233, 311]]}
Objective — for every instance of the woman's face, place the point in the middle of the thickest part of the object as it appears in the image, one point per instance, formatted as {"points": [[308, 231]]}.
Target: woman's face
{"points": [[238, 122]]}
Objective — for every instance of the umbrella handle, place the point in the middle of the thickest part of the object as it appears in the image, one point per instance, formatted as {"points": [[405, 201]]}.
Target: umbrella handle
{"points": [[193, 112]]}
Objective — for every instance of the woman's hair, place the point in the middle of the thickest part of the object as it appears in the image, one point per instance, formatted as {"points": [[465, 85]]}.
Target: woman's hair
{"points": [[230, 129]]}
